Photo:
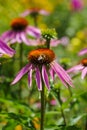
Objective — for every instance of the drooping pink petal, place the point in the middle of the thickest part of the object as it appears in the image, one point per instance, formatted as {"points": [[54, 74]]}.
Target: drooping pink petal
{"points": [[84, 72], [45, 77], [82, 52], [18, 38], [63, 73], [27, 12], [12, 35], [21, 73], [75, 68], [59, 75], [44, 12], [33, 31], [4, 49], [6, 34], [38, 79], [13, 41], [30, 77], [24, 39], [29, 42], [51, 73]]}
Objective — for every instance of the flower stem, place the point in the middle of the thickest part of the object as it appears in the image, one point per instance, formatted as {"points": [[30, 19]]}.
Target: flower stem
{"points": [[48, 43], [21, 63], [35, 21], [21, 55], [60, 102], [42, 108], [86, 124], [70, 92], [62, 113]]}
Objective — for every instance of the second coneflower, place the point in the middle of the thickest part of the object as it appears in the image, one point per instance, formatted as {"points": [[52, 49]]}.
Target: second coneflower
{"points": [[81, 67], [20, 32], [42, 62], [35, 12]]}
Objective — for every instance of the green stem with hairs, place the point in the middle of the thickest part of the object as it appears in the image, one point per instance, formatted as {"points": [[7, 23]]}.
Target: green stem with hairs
{"points": [[42, 107], [43, 98], [48, 43]]}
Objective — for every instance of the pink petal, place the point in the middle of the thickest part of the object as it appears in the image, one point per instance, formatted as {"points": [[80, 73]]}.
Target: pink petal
{"points": [[43, 12], [21, 73], [63, 73], [13, 41], [60, 76], [51, 73], [38, 79], [30, 77], [45, 77], [24, 39], [75, 68], [82, 52], [18, 38], [6, 34], [84, 72], [33, 31], [55, 42], [9, 36], [4, 49], [27, 12]]}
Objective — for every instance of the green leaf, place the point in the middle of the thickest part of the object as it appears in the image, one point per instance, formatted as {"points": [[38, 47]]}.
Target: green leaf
{"points": [[63, 128], [9, 126], [74, 120], [72, 128], [14, 116], [84, 96]]}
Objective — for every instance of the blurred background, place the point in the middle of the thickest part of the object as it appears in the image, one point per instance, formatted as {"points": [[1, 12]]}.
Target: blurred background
{"points": [[70, 22]]}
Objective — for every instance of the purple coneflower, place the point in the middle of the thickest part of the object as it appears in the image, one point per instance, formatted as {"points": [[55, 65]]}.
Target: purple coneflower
{"points": [[82, 52], [5, 50], [77, 5], [82, 67], [42, 62], [20, 32], [34, 12]]}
